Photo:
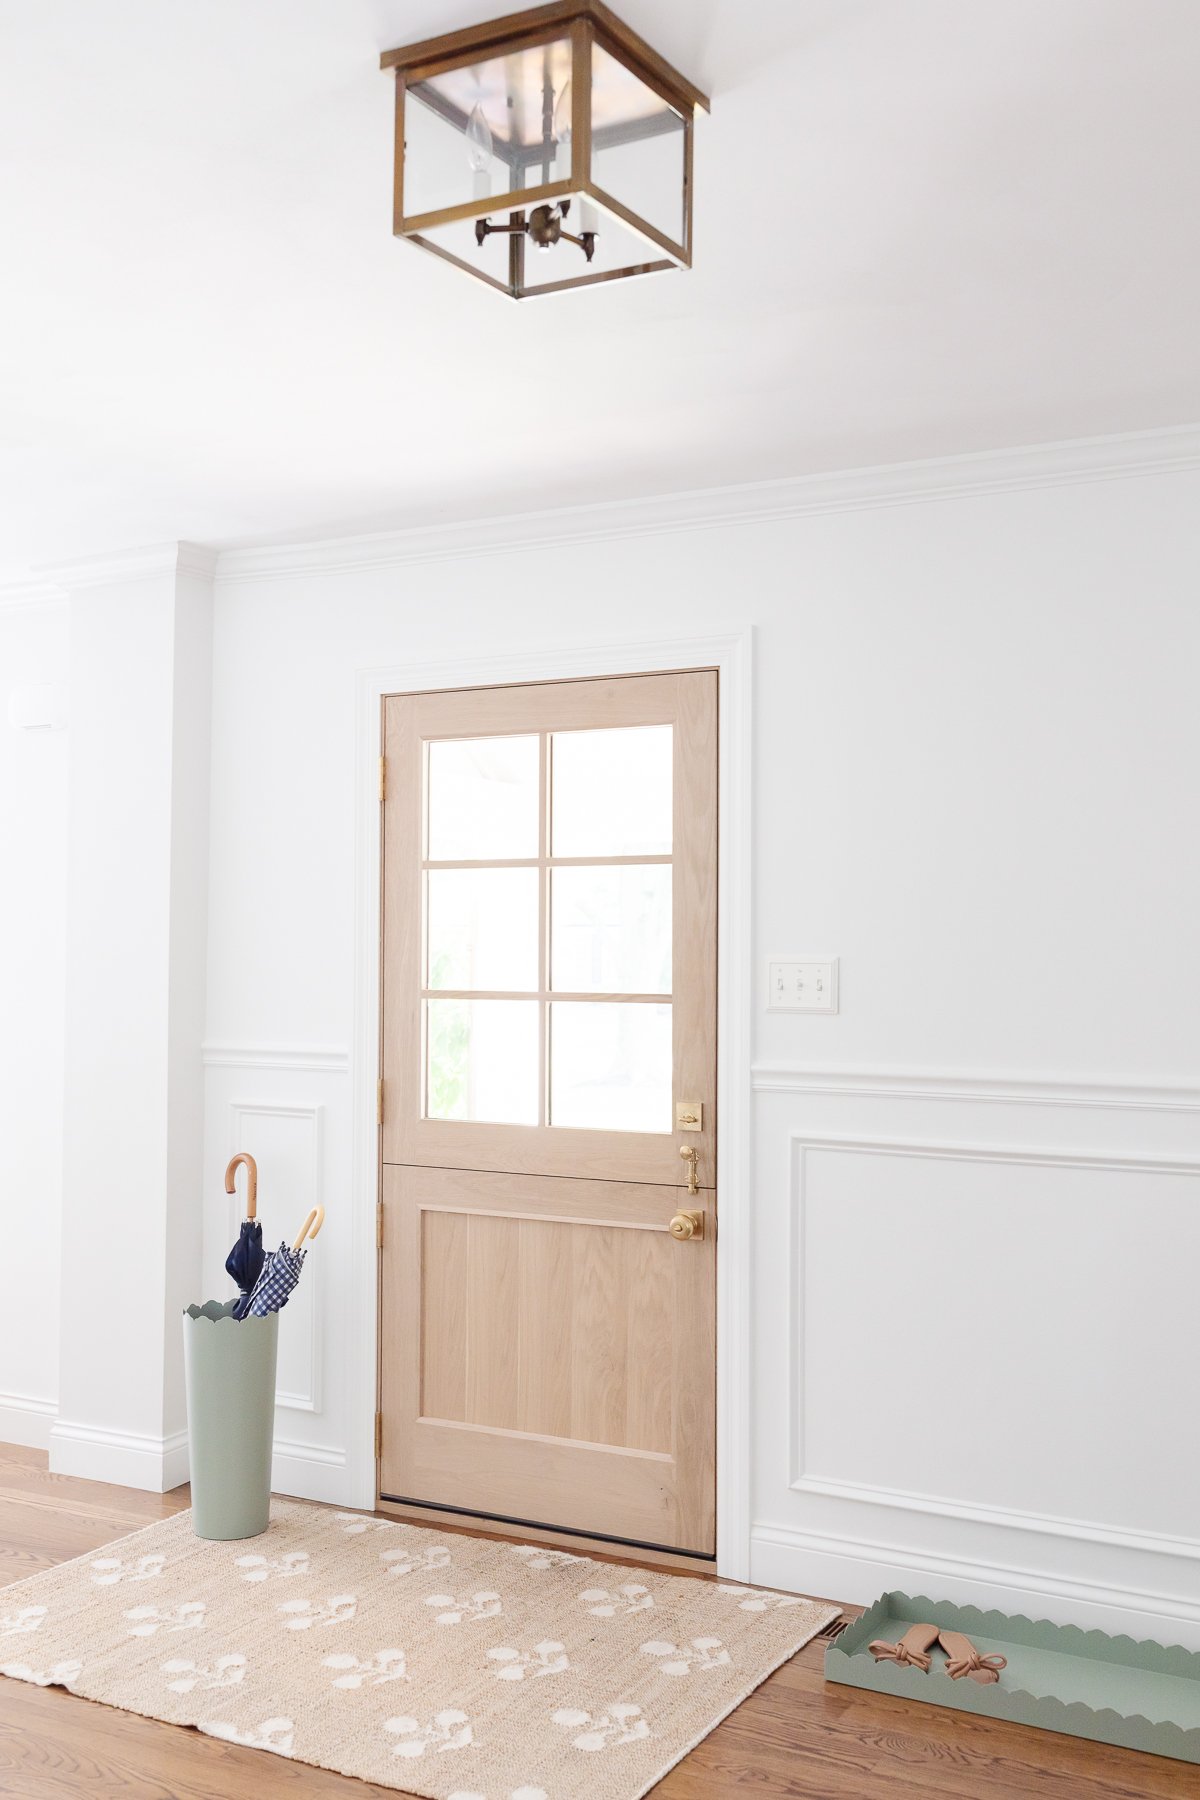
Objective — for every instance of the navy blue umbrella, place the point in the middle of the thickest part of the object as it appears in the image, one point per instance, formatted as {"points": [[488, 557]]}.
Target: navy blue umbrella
{"points": [[245, 1261]]}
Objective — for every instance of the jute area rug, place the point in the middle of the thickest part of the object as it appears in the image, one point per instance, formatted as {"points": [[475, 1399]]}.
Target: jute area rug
{"points": [[442, 1665]]}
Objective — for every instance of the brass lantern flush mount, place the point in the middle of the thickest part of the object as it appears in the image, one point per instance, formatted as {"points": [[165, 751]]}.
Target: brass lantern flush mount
{"points": [[548, 150]]}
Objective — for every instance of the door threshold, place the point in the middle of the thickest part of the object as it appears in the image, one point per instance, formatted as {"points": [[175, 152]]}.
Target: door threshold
{"points": [[588, 1543]]}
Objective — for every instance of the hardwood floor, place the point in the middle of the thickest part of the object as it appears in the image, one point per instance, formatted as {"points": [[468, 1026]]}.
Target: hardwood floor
{"points": [[793, 1739]]}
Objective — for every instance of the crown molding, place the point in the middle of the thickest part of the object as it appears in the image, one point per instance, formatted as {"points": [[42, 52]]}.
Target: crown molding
{"points": [[28, 595], [1171, 450], [1167, 451], [143, 562]]}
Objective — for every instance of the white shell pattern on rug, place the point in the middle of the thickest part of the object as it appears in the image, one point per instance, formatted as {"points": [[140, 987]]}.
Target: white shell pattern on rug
{"points": [[548, 1658], [452, 1667], [264, 1568], [108, 1570], [26, 1618], [631, 1598], [60, 1675], [227, 1671], [385, 1665], [271, 1734], [408, 1562], [146, 1620], [449, 1611], [700, 1653]]}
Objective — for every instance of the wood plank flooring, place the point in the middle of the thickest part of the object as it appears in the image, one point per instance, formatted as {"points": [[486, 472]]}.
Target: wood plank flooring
{"points": [[794, 1739]]}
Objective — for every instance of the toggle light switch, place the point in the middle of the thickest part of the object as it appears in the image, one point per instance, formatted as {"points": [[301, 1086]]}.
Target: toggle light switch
{"points": [[802, 984]]}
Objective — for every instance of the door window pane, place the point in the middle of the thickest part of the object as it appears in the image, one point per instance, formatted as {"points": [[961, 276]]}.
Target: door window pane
{"points": [[482, 1060], [483, 798], [483, 926], [610, 1065], [611, 792], [610, 930]]}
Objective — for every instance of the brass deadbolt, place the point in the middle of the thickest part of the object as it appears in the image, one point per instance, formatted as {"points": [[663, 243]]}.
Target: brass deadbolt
{"points": [[686, 1225]]}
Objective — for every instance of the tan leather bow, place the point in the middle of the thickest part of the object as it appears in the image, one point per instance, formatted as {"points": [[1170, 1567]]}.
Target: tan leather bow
{"points": [[900, 1653], [962, 1658], [958, 1666], [912, 1650]]}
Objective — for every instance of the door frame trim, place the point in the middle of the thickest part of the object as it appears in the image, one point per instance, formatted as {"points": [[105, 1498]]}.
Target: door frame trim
{"points": [[730, 653]]}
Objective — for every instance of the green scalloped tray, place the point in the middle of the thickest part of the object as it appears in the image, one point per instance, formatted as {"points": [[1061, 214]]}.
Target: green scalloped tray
{"points": [[1085, 1684]]}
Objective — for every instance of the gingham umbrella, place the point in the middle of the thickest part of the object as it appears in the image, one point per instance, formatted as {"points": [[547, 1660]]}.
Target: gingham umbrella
{"points": [[281, 1270], [245, 1261]]}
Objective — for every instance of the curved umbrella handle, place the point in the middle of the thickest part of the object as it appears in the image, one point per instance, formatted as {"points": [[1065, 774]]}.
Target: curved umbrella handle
{"points": [[315, 1219], [251, 1181]]}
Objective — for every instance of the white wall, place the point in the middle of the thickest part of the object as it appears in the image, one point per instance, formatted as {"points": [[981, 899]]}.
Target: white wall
{"points": [[136, 935], [33, 790], [975, 741]]}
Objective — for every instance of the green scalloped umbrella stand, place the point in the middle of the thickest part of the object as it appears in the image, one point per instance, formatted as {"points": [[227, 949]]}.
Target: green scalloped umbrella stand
{"points": [[229, 1369]]}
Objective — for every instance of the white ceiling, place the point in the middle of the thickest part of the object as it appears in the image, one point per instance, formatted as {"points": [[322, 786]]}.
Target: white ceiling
{"points": [[923, 226]]}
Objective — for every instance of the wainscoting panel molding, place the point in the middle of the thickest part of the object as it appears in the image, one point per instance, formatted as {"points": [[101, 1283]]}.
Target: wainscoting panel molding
{"points": [[941, 1084], [319, 1059], [964, 1282], [922, 1334], [289, 1106]]}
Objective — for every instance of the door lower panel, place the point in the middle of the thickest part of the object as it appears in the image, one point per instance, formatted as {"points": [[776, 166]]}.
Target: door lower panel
{"points": [[547, 1354]]}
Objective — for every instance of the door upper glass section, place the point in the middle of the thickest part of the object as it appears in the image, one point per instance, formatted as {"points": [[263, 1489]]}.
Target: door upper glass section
{"points": [[547, 929], [611, 792], [483, 799], [482, 931]]}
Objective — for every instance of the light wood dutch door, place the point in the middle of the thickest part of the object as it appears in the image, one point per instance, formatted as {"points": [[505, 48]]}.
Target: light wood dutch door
{"points": [[548, 1099]]}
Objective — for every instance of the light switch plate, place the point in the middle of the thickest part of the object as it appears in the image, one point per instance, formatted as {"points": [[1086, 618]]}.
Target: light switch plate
{"points": [[802, 984]]}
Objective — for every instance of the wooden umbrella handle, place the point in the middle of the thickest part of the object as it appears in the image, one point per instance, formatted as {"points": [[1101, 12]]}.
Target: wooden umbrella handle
{"points": [[251, 1181], [316, 1219]]}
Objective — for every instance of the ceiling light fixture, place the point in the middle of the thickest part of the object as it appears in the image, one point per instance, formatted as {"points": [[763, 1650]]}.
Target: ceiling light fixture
{"points": [[506, 131]]}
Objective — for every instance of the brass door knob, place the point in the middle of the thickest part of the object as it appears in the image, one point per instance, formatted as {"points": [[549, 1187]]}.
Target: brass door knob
{"points": [[687, 1225]]}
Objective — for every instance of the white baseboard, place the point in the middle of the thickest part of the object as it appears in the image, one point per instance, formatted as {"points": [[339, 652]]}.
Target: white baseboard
{"points": [[127, 1458], [26, 1421], [858, 1572], [157, 1464], [312, 1472]]}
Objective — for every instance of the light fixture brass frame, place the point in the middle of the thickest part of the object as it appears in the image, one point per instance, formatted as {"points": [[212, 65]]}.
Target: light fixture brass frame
{"points": [[585, 23]]}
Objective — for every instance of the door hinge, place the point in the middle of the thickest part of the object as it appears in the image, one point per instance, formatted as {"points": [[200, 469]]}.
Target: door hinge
{"points": [[378, 1436], [379, 1101], [379, 1225], [383, 778]]}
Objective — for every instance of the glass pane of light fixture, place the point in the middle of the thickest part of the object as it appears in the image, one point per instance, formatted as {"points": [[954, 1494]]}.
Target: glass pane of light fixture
{"points": [[611, 791], [483, 798], [610, 929], [487, 128], [482, 929], [610, 1065], [637, 145], [482, 1060]]}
